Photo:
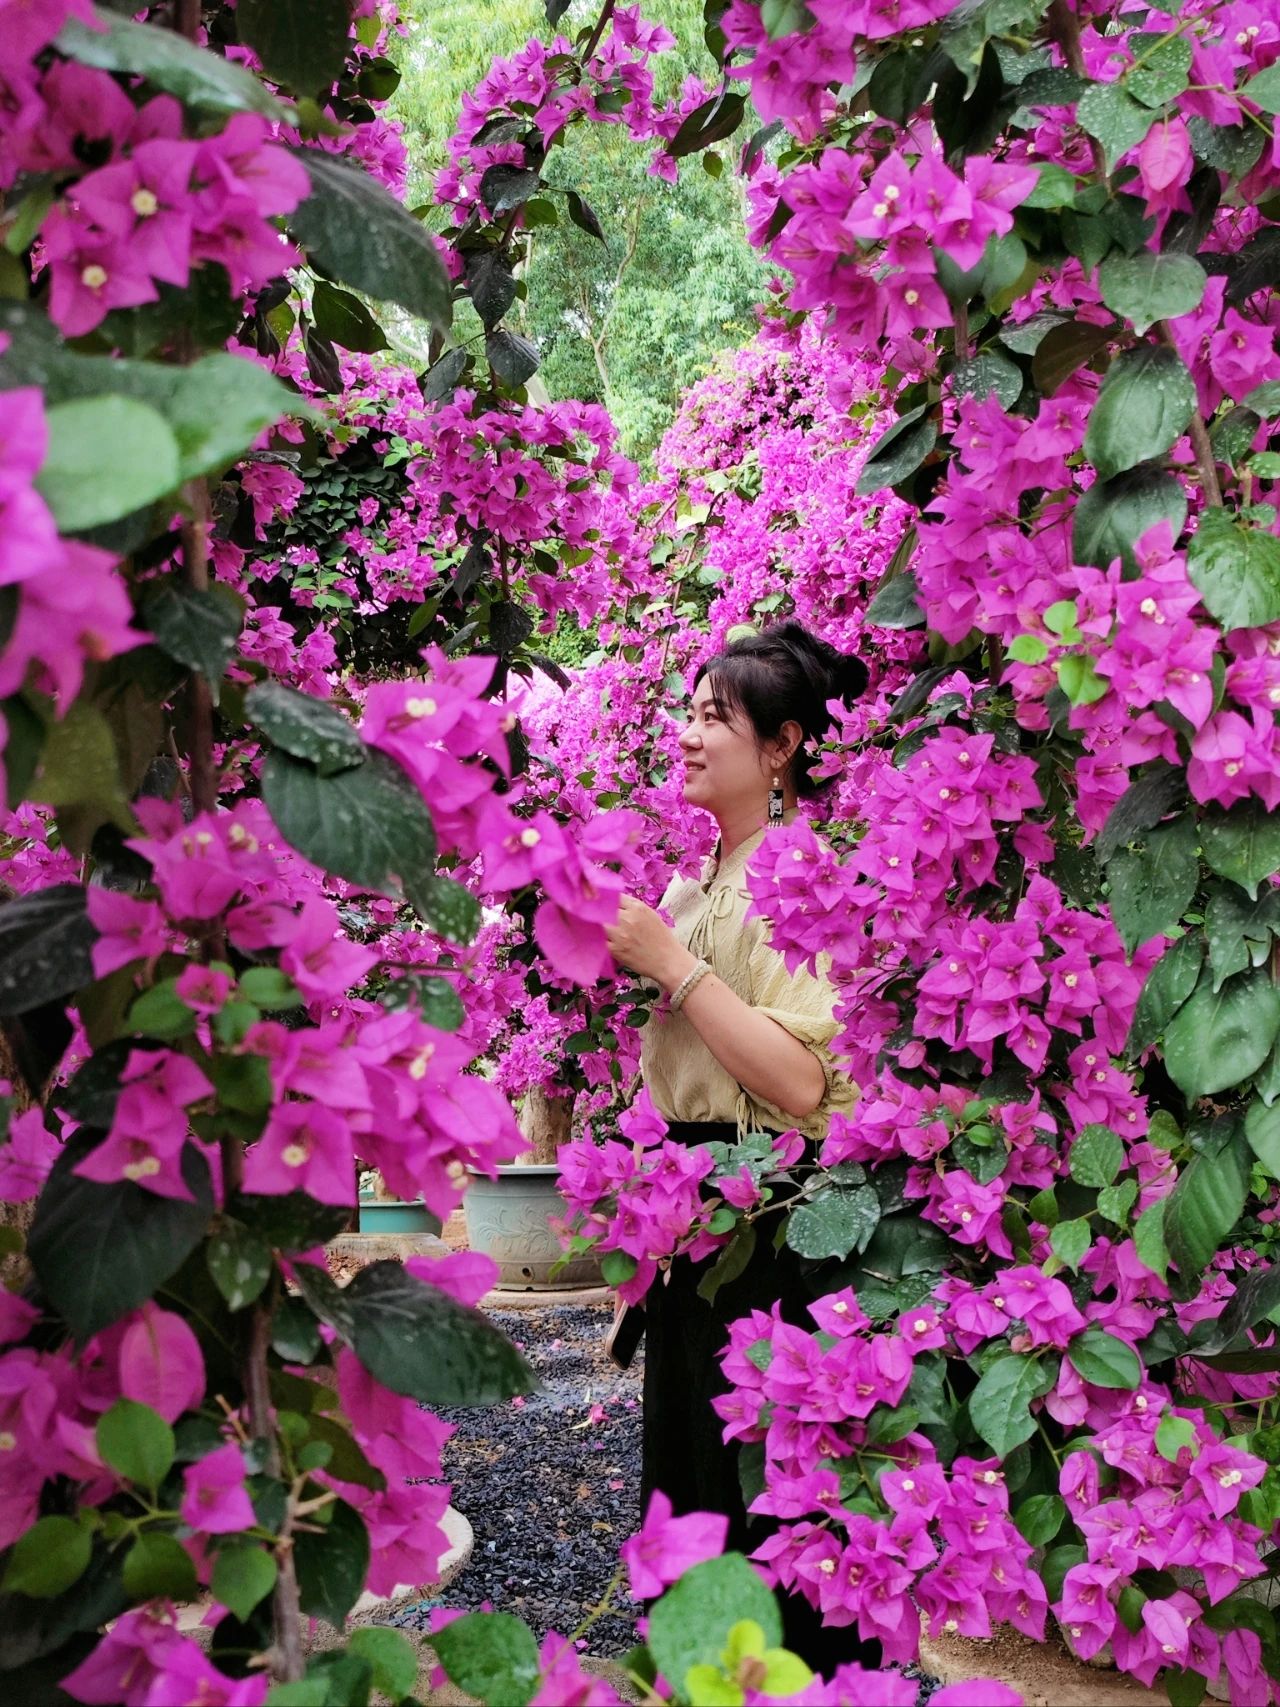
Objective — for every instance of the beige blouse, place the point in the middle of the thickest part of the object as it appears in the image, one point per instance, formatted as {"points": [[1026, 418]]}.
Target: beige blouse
{"points": [[683, 1077]]}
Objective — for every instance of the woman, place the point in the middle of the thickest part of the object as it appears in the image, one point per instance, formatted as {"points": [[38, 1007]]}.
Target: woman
{"points": [[746, 1046]]}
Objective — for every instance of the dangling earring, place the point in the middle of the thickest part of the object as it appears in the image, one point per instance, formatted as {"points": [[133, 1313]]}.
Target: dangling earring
{"points": [[775, 804]]}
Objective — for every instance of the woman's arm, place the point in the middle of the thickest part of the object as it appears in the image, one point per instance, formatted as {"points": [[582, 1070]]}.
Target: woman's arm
{"points": [[769, 1063]]}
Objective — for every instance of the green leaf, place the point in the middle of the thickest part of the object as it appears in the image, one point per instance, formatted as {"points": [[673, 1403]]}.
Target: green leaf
{"points": [[1264, 90], [1070, 1242], [392, 1656], [448, 907], [1152, 883], [1154, 795], [1055, 187], [1236, 571], [986, 373], [1114, 118], [1147, 287], [198, 627], [1104, 1361], [46, 943], [1064, 349], [1239, 931], [136, 1442], [512, 358], [1039, 1518], [302, 43], [1161, 72], [711, 122], [305, 726], [360, 234], [1149, 1241], [436, 999], [1115, 1201], [1219, 1037], [1000, 1405], [898, 452], [333, 1679], [204, 81], [897, 604], [1207, 1201], [834, 1223], [332, 1564], [216, 407], [240, 1262], [618, 1267], [291, 1222], [690, 1625], [53, 1554], [1146, 400], [1173, 1434], [1230, 148], [158, 1567], [368, 824], [730, 1263], [506, 186], [583, 215], [108, 456], [489, 1655], [1114, 513], [1262, 1129], [1097, 1156], [1242, 844], [242, 1576], [418, 1341], [343, 319], [100, 1251], [268, 987]]}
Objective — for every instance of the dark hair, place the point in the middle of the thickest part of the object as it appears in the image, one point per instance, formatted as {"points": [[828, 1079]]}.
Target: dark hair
{"points": [[784, 675]]}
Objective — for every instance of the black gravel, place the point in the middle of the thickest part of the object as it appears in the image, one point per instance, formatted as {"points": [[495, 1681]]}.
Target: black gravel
{"points": [[550, 1484]]}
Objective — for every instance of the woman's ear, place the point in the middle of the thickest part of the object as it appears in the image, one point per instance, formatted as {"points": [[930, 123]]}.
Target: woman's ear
{"points": [[790, 738]]}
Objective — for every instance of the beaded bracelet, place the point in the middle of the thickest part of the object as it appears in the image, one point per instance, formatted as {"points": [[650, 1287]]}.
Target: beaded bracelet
{"points": [[681, 992]]}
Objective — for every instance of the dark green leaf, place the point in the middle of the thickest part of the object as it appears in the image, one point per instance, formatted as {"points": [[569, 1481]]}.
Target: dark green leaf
{"points": [[333, 1679], [1146, 400], [1000, 1405], [418, 1341], [512, 358], [302, 43], [343, 319], [1114, 513], [1104, 1361], [1233, 149], [896, 605], [899, 451], [450, 909], [489, 1655], [204, 81], [1257, 1294], [196, 627], [441, 380], [1236, 571], [1114, 118], [46, 941], [1153, 882], [332, 1564], [1155, 794], [1262, 1129], [1207, 1201], [1147, 287], [158, 1567], [987, 373], [292, 1221], [505, 187], [583, 214], [305, 726], [1148, 1239], [101, 1250], [295, 1333], [690, 1625], [242, 1576], [240, 1263], [360, 234], [136, 1442], [48, 1558], [435, 998], [1239, 931], [1039, 1518], [731, 1262], [107, 457], [1162, 65], [713, 121], [1242, 844], [1219, 1037], [1169, 982], [834, 1223], [368, 824], [492, 286], [1097, 1155]]}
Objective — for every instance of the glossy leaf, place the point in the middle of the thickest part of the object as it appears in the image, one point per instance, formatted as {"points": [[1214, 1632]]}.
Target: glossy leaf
{"points": [[899, 451], [204, 81], [1152, 882], [691, 1623], [1114, 513], [1207, 1201], [332, 1564], [834, 1223], [1147, 287], [1000, 1405], [196, 627], [46, 942], [240, 1262], [1236, 571], [1219, 1037], [1105, 1361], [305, 726], [107, 457], [302, 43], [489, 1655], [1242, 844], [1146, 401], [136, 1442]]}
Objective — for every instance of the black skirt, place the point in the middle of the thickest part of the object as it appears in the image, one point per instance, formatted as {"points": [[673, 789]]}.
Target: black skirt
{"points": [[684, 1452]]}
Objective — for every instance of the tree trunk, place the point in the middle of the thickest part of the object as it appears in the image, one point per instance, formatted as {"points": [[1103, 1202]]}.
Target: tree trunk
{"points": [[545, 1121]]}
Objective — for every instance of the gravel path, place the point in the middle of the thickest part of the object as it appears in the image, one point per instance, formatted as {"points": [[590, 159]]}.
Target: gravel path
{"points": [[550, 1484]]}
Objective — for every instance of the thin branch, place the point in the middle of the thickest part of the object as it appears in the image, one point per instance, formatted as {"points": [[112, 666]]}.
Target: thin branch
{"points": [[1206, 467]]}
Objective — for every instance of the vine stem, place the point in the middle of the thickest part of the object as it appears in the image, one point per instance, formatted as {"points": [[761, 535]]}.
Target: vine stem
{"points": [[288, 1662], [601, 25], [1199, 436], [1064, 27], [195, 569]]}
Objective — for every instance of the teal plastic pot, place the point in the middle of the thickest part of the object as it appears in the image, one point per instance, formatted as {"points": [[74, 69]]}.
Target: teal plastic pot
{"points": [[507, 1219], [381, 1216]]}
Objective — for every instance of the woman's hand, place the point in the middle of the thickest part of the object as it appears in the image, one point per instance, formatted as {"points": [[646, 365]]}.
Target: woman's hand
{"points": [[639, 940]]}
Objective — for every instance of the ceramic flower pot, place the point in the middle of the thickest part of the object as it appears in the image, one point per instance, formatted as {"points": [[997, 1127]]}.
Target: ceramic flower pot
{"points": [[389, 1215], [507, 1219]]}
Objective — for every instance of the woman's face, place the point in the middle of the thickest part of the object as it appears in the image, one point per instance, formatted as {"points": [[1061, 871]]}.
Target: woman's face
{"points": [[725, 770]]}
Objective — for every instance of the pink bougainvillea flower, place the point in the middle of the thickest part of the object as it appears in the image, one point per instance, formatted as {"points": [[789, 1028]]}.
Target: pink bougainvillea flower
{"points": [[27, 1156], [665, 1547], [161, 1363], [129, 928], [305, 1147], [215, 1500]]}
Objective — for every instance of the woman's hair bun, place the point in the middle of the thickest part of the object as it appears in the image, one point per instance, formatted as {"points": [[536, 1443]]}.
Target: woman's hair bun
{"points": [[846, 675]]}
